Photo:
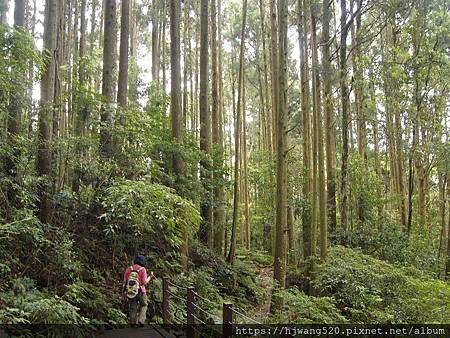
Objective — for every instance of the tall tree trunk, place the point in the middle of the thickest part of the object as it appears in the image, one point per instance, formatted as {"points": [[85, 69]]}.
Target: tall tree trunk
{"points": [[279, 273], [15, 101], [315, 151], [31, 70], [133, 75], [92, 35], [329, 118], [82, 113], [217, 134], [175, 105], [237, 134], [305, 111], [122, 90], [75, 63], [267, 111], [358, 84], [318, 131], [220, 216], [108, 88], [186, 50], [44, 158], [244, 180], [16, 105], [155, 40], [196, 89], [164, 45], [376, 143], [345, 117], [274, 79], [205, 125]]}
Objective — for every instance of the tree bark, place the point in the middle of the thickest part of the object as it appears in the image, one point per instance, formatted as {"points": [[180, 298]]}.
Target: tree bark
{"points": [[217, 135], [305, 111], [205, 125], [155, 40], [237, 134], [175, 106], [122, 90], [44, 158], [345, 117], [279, 273], [329, 118], [267, 110], [318, 131], [108, 88], [274, 91], [16, 105]]}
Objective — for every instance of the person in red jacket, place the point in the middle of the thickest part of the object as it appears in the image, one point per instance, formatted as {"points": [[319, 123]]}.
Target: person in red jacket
{"points": [[135, 279]]}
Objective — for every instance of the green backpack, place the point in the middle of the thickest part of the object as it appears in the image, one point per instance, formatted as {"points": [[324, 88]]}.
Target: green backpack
{"points": [[133, 287]]}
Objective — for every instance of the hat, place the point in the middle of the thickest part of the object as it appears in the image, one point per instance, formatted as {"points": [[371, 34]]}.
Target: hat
{"points": [[139, 260]]}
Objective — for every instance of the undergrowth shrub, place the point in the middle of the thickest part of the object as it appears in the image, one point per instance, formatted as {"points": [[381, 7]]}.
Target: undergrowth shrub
{"points": [[299, 308], [23, 303], [390, 242], [94, 303], [143, 217], [368, 290]]}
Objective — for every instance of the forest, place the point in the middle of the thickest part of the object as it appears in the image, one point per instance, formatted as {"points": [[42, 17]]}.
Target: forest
{"points": [[289, 157]]}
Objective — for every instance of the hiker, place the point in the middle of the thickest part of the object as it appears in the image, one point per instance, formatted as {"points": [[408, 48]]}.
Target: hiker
{"points": [[134, 280]]}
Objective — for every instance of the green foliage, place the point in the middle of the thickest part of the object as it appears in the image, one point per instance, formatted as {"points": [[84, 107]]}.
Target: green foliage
{"points": [[148, 208], [20, 54], [140, 214], [261, 175], [365, 186], [299, 308], [368, 290], [24, 304], [260, 257], [94, 303], [389, 241]]}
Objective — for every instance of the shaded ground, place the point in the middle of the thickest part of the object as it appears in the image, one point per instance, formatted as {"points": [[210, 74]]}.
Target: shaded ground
{"points": [[265, 280], [149, 331]]}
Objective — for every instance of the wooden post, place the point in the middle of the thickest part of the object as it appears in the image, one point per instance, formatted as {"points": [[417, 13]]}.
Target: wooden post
{"points": [[227, 328], [166, 314], [190, 305], [190, 311]]}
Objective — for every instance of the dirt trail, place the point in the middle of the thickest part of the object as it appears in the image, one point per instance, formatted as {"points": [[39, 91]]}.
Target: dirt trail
{"points": [[265, 280]]}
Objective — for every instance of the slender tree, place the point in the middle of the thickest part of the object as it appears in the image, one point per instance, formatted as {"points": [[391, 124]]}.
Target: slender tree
{"points": [[16, 104], [306, 129], [329, 116], [155, 39], [217, 134], [279, 273], [345, 118], [318, 136], [122, 90], [237, 134], [205, 124], [44, 158], [175, 103], [108, 88]]}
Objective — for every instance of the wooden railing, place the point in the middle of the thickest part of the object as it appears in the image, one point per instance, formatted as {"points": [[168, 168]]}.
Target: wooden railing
{"points": [[192, 307]]}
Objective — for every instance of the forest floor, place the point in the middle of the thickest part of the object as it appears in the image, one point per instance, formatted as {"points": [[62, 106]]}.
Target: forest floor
{"points": [[265, 281]]}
